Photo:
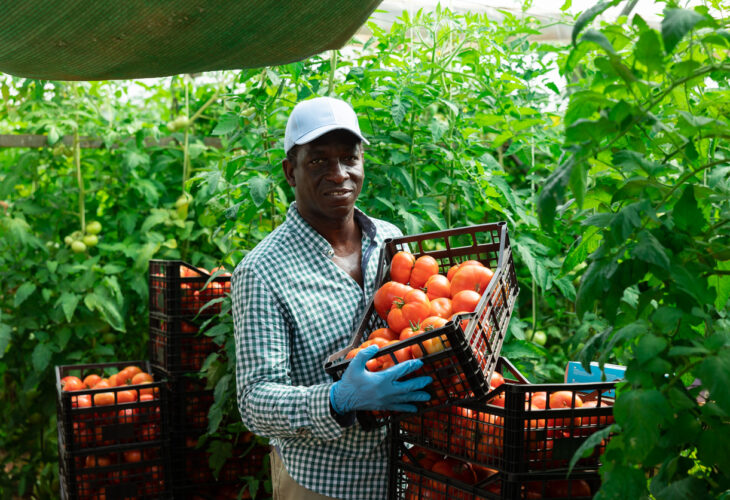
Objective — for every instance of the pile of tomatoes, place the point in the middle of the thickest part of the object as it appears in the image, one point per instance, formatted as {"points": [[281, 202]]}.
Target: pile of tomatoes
{"points": [[131, 473], [479, 434], [112, 432], [96, 415], [419, 299], [469, 474], [194, 293], [194, 297]]}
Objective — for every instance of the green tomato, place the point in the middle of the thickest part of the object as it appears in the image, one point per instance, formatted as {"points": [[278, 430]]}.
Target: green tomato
{"points": [[78, 247], [68, 240], [539, 337], [93, 227], [90, 240], [109, 338], [181, 205]]}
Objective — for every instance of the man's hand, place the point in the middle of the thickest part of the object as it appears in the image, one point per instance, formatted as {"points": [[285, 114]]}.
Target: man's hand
{"points": [[361, 389]]}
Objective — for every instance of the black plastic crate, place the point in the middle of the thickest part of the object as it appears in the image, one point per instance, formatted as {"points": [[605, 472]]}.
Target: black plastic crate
{"points": [[138, 471], [91, 418], [412, 477], [181, 289], [192, 473], [176, 344], [463, 368], [510, 432], [189, 404]]}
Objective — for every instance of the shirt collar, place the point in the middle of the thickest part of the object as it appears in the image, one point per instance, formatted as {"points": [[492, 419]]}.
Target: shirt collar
{"points": [[310, 236]]}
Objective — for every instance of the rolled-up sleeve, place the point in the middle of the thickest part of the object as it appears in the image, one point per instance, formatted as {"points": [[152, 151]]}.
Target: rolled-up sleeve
{"points": [[269, 404]]}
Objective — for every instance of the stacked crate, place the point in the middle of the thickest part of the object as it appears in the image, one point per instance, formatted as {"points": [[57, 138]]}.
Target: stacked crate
{"points": [[112, 442], [475, 439], [517, 442], [183, 299]]}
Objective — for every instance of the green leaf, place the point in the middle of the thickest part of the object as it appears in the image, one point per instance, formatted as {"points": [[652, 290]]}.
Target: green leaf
{"points": [[625, 336], [650, 250], [157, 216], [41, 357], [692, 284], [5, 337], [686, 214], [581, 248], [565, 285], [721, 283], [622, 482], [215, 417], [108, 310], [712, 446], [552, 193], [649, 347], [398, 112], [676, 24], [536, 268], [587, 16], [640, 413], [715, 375], [523, 349], [628, 219], [589, 444], [637, 188], [226, 125], [259, 187], [68, 302], [599, 39], [23, 292], [220, 452], [591, 288], [682, 489], [577, 182], [667, 319], [648, 50]]}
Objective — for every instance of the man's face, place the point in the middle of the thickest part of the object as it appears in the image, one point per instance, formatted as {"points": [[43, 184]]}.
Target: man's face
{"points": [[327, 176]]}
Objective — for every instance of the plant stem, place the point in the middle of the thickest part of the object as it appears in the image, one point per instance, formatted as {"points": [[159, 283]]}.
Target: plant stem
{"points": [[186, 152], [79, 179], [414, 179]]}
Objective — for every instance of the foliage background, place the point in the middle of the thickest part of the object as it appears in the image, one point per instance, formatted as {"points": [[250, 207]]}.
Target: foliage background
{"points": [[615, 187]]}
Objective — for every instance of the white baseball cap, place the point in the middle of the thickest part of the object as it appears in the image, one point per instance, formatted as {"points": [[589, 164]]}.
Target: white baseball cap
{"points": [[315, 117]]}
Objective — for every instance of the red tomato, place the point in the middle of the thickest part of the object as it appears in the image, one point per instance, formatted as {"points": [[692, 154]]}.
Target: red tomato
{"points": [[385, 333], [425, 267], [396, 321], [471, 277], [564, 399], [602, 420], [465, 301], [386, 294], [437, 286], [432, 323], [496, 380], [452, 270], [441, 307], [91, 380], [401, 266], [72, 383]]}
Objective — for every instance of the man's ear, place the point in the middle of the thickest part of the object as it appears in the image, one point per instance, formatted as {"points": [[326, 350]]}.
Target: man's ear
{"points": [[288, 168]]}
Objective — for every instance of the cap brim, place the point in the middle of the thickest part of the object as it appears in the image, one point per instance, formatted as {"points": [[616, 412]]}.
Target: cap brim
{"points": [[319, 132]]}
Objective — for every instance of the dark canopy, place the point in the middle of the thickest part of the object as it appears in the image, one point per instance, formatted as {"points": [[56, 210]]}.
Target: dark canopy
{"points": [[102, 39]]}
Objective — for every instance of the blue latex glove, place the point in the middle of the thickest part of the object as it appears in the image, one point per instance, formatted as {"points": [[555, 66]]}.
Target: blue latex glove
{"points": [[361, 389]]}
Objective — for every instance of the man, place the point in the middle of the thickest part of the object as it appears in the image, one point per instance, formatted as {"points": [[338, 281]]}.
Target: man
{"points": [[297, 297]]}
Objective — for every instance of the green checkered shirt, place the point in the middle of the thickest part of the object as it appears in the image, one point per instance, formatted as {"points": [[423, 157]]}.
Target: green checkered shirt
{"points": [[292, 308]]}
